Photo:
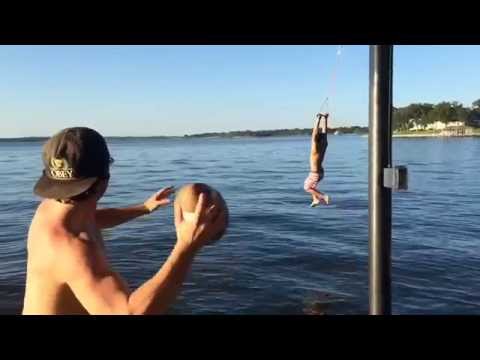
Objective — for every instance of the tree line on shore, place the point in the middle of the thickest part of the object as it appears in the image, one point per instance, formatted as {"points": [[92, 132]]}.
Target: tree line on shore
{"points": [[423, 114], [281, 132], [404, 118]]}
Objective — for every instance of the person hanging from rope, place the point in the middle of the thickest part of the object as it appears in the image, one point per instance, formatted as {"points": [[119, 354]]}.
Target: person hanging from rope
{"points": [[317, 154]]}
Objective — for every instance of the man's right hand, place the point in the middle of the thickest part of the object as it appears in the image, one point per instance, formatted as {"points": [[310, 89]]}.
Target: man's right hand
{"points": [[204, 225]]}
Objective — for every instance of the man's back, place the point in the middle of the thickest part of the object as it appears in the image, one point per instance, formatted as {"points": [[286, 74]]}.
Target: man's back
{"points": [[48, 240]]}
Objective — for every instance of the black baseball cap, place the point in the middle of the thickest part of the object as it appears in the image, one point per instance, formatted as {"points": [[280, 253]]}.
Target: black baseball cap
{"points": [[74, 159]]}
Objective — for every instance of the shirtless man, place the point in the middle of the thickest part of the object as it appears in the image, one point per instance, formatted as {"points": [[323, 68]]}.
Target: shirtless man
{"points": [[67, 268], [317, 154]]}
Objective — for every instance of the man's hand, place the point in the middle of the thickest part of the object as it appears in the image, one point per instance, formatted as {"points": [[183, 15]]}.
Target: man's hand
{"points": [[206, 223], [159, 199]]}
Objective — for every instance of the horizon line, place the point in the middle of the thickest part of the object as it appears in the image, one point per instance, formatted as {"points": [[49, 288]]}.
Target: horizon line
{"points": [[178, 136]]}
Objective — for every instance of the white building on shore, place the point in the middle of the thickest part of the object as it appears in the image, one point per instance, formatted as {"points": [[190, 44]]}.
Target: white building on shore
{"points": [[437, 125]]}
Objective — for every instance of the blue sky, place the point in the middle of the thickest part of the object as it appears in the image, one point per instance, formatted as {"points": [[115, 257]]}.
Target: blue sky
{"points": [[177, 90]]}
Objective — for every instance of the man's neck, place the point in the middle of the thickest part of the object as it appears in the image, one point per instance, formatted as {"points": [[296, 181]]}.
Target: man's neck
{"points": [[75, 216]]}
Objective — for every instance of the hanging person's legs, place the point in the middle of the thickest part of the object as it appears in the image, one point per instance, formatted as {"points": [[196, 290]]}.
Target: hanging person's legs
{"points": [[317, 153]]}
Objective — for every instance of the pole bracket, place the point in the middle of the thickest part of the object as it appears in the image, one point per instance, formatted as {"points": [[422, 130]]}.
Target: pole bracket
{"points": [[395, 178]]}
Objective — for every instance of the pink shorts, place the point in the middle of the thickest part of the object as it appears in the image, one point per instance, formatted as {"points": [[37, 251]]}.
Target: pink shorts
{"points": [[312, 180]]}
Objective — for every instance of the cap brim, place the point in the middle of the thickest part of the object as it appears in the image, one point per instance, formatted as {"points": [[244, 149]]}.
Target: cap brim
{"points": [[62, 189]]}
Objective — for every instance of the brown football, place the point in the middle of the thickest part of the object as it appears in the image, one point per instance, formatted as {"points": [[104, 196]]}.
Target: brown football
{"points": [[187, 197]]}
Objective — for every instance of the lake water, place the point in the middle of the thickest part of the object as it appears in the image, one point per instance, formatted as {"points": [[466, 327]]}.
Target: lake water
{"points": [[280, 256]]}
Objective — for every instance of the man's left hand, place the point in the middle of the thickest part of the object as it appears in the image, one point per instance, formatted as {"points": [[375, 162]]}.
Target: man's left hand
{"points": [[159, 199]]}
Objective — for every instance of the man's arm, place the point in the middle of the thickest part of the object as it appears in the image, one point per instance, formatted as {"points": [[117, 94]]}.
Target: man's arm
{"points": [[101, 291], [157, 294], [108, 218], [104, 292]]}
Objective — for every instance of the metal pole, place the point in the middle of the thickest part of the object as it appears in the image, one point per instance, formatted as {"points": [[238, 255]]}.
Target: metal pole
{"points": [[380, 197]]}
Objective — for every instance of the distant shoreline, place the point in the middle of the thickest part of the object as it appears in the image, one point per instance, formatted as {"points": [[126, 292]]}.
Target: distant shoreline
{"points": [[435, 135], [360, 131], [351, 130]]}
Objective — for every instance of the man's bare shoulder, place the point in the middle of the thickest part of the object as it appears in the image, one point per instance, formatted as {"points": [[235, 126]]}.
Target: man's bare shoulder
{"points": [[74, 249], [54, 243], [51, 231]]}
